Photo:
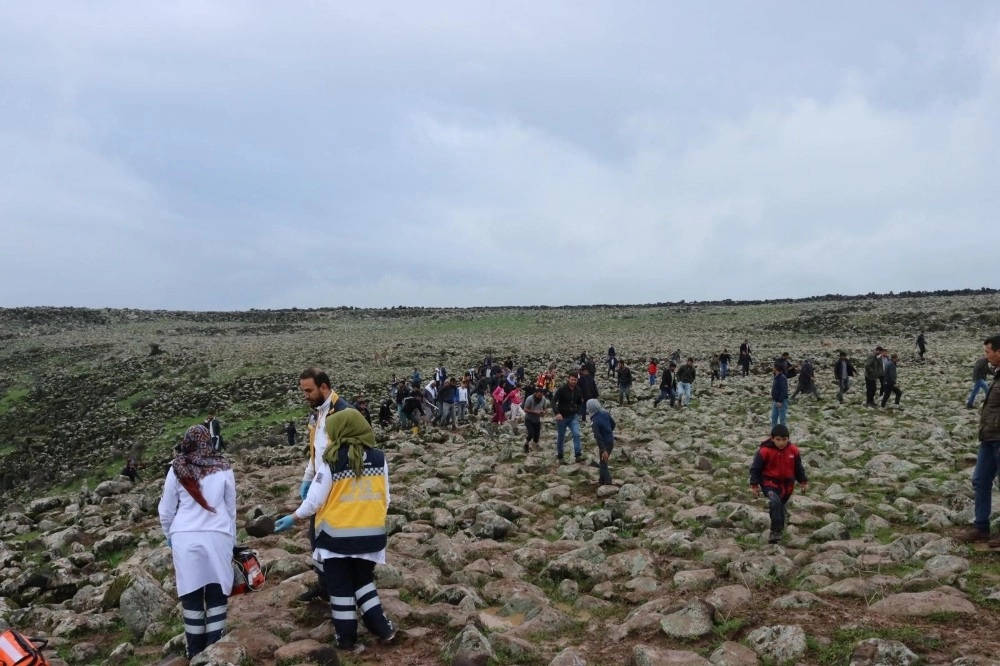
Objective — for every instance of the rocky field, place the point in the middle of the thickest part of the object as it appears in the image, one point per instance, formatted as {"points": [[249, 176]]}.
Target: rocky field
{"points": [[497, 557]]}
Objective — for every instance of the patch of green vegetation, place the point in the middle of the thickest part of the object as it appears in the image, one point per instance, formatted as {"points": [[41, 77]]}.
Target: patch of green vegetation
{"points": [[842, 642], [93, 477], [173, 627], [136, 401], [727, 628], [272, 419], [504, 657], [943, 616], [116, 558], [279, 489], [27, 536], [13, 396]]}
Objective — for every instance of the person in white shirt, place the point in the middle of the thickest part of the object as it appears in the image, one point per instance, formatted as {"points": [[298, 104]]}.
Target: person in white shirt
{"points": [[198, 517], [316, 389]]}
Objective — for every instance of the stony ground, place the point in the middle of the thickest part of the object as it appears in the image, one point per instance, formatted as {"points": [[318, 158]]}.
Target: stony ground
{"points": [[497, 556]]}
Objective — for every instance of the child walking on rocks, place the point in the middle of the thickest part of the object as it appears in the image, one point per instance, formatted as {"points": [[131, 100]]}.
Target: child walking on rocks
{"points": [[604, 433], [775, 469]]}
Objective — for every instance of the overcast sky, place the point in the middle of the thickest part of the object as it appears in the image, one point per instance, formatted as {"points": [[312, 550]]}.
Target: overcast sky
{"points": [[229, 155]]}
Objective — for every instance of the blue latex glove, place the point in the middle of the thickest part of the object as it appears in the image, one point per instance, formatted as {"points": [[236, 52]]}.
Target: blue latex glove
{"points": [[169, 545], [304, 489], [282, 524]]}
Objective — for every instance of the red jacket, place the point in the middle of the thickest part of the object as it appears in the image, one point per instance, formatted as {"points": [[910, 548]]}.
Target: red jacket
{"points": [[777, 468], [652, 368]]}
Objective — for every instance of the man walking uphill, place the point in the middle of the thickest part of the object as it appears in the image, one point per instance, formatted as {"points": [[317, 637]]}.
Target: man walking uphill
{"points": [[566, 403], [874, 372], [988, 459], [980, 371], [779, 396]]}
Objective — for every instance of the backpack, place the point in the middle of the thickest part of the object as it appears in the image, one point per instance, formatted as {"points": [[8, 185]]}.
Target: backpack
{"points": [[16, 649], [248, 573]]}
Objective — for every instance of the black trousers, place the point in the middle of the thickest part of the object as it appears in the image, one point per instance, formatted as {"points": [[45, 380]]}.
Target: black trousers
{"points": [[775, 508], [351, 584], [204, 617], [604, 474], [870, 387], [889, 389], [534, 430]]}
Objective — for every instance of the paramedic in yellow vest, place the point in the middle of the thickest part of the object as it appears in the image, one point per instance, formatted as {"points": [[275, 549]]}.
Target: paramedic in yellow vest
{"points": [[348, 500], [323, 400]]}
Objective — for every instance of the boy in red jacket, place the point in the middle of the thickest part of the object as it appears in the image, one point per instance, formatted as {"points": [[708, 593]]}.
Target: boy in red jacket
{"points": [[776, 468]]}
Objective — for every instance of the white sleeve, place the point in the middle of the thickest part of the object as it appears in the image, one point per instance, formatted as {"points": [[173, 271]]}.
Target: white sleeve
{"points": [[318, 491], [310, 471], [385, 473], [169, 502], [231, 500]]}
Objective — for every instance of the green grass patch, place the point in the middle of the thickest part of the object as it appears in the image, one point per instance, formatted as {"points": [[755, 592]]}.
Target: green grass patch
{"points": [[27, 536], [271, 419], [727, 628], [279, 489], [12, 397], [842, 643], [116, 558]]}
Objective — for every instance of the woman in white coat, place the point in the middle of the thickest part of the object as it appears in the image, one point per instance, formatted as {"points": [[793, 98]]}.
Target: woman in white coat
{"points": [[198, 515]]}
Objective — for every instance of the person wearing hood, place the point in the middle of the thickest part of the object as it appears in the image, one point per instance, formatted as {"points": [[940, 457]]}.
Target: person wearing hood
{"points": [[198, 516], [603, 426], [349, 499]]}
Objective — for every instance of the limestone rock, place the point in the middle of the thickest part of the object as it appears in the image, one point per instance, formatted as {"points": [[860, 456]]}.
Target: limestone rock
{"points": [[783, 644]]}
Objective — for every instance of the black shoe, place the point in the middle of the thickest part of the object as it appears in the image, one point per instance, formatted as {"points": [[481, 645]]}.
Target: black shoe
{"points": [[314, 592], [579, 459], [526, 447], [774, 537]]}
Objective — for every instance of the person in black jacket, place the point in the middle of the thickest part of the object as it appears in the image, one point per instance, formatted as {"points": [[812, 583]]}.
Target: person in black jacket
{"points": [[779, 396], [624, 383], [744, 358], [922, 344], [843, 371], [588, 390], [566, 404], [891, 381], [667, 385], [806, 381]]}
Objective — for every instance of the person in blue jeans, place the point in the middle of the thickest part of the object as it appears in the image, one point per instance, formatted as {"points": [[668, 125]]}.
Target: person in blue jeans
{"points": [[988, 458], [779, 396], [566, 404], [979, 373]]}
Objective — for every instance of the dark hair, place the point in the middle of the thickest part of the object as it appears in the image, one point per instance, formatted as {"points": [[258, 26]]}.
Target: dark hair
{"points": [[574, 373], [993, 342], [317, 375], [779, 430], [779, 366]]}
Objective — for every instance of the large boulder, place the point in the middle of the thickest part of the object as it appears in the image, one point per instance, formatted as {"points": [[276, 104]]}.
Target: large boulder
{"points": [[144, 602]]}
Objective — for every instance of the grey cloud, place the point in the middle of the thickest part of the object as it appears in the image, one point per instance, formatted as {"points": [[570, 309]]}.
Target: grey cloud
{"points": [[233, 155]]}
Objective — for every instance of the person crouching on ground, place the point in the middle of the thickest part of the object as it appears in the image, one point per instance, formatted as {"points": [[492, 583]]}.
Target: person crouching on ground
{"points": [[603, 426], [350, 498], [775, 469], [198, 516]]}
